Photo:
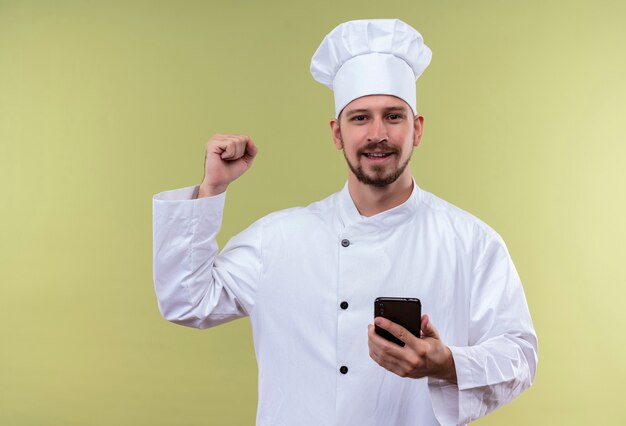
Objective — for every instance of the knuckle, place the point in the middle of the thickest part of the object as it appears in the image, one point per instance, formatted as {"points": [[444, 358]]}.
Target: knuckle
{"points": [[421, 351]]}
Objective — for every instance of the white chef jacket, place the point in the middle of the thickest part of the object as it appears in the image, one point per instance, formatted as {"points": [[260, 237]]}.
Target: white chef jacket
{"points": [[291, 270]]}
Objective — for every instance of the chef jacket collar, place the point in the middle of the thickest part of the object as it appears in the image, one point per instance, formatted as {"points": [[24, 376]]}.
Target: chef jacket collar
{"points": [[350, 216]]}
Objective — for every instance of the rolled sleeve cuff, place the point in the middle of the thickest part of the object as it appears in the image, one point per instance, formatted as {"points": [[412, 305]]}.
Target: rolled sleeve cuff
{"points": [[449, 399], [182, 203]]}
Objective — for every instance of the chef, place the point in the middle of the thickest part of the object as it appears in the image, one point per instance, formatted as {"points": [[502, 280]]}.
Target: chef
{"points": [[308, 276]]}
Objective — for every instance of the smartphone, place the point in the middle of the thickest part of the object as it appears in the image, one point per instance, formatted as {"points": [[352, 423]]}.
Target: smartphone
{"points": [[406, 312]]}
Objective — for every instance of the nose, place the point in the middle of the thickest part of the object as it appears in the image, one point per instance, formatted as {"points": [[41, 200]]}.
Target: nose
{"points": [[377, 131]]}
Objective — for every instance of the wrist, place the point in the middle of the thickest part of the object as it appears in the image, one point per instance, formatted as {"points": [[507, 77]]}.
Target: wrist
{"points": [[448, 372], [207, 190]]}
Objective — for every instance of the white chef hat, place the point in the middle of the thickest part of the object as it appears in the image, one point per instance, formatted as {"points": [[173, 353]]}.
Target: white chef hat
{"points": [[371, 57]]}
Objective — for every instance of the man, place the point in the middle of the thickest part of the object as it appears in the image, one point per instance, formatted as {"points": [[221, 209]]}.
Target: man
{"points": [[308, 277]]}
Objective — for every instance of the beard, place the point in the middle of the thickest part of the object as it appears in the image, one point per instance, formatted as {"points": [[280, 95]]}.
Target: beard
{"points": [[377, 177]]}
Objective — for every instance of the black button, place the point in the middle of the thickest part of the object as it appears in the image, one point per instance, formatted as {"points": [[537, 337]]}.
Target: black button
{"points": [[345, 243], [343, 369], [344, 305]]}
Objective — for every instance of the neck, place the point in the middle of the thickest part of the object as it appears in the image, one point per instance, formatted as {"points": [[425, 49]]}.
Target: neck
{"points": [[370, 200]]}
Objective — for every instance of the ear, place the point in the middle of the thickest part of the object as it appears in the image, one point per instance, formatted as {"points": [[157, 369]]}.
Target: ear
{"points": [[336, 133], [418, 126]]}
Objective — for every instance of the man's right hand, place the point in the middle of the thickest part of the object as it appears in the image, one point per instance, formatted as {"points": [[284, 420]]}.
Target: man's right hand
{"points": [[227, 157]]}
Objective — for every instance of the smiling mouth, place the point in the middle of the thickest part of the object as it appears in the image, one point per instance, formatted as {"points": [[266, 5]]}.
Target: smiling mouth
{"points": [[377, 154]]}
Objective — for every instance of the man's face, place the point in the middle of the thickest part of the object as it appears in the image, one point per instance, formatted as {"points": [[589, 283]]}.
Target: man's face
{"points": [[377, 134]]}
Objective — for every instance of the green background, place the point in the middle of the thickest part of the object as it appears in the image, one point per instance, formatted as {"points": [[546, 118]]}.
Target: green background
{"points": [[103, 104]]}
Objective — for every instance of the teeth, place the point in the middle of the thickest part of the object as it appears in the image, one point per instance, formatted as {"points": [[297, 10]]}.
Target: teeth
{"points": [[376, 155]]}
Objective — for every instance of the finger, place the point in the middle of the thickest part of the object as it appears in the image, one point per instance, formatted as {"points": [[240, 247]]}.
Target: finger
{"points": [[382, 346], [380, 349], [428, 329], [400, 366], [228, 151], [424, 323], [218, 140], [240, 146], [378, 340], [251, 151], [396, 329], [240, 143], [392, 365], [403, 361], [220, 145], [234, 148]]}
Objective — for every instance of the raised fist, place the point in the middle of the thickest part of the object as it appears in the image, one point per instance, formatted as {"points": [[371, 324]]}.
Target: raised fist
{"points": [[227, 157]]}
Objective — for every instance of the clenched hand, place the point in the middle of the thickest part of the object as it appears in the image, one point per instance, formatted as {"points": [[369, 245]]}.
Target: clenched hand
{"points": [[227, 157]]}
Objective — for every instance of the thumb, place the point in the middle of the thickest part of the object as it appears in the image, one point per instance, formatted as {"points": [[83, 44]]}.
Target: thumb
{"points": [[428, 329]]}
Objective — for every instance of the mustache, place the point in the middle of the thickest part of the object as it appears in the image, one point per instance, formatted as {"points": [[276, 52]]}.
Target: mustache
{"points": [[381, 146]]}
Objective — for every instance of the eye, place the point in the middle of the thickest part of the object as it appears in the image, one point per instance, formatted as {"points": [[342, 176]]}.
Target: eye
{"points": [[358, 118], [394, 117]]}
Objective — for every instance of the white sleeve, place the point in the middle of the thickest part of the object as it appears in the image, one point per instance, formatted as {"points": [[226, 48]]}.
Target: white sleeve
{"points": [[500, 359], [194, 285]]}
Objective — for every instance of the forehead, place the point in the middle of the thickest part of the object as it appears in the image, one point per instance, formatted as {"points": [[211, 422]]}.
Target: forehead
{"points": [[376, 102]]}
